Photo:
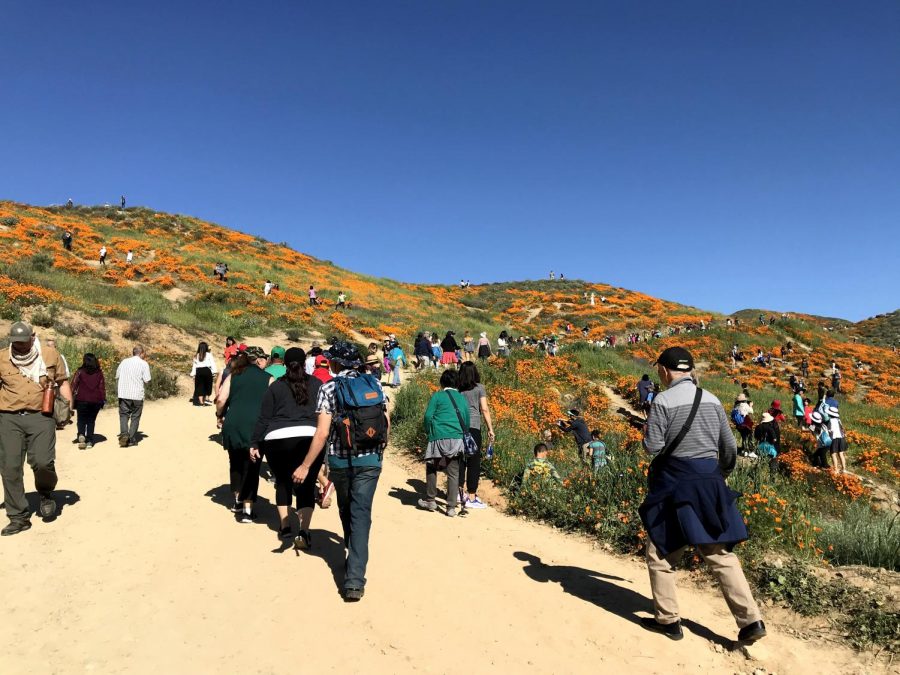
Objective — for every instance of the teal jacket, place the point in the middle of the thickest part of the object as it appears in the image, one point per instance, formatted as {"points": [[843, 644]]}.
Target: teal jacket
{"points": [[440, 417]]}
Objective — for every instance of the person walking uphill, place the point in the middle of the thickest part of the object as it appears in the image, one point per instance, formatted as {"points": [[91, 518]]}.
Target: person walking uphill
{"points": [[470, 464], [688, 502], [353, 425], [238, 404], [203, 370], [446, 423], [26, 375], [89, 392], [131, 375], [286, 425]]}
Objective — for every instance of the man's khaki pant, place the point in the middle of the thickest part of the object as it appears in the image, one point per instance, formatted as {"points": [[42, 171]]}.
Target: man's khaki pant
{"points": [[32, 436], [724, 565]]}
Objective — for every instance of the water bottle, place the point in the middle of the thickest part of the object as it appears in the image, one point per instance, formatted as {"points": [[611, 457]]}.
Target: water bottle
{"points": [[490, 451]]}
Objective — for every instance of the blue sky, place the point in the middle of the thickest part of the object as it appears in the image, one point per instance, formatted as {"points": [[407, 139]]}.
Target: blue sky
{"points": [[725, 155]]}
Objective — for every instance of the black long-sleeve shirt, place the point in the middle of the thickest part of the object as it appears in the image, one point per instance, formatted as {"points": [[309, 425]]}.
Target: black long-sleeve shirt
{"points": [[280, 410]]}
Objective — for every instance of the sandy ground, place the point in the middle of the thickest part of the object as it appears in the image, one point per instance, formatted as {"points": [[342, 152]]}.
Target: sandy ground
{"points": [[145, 570]]}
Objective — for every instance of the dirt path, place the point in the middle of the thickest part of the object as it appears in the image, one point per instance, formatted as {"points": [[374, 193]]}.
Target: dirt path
{"points": [[146, 571]]}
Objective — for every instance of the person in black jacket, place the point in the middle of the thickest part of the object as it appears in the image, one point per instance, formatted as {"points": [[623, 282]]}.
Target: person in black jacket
{"points": [[422, 351], [286, 424], [577, 426], [449, 348]]}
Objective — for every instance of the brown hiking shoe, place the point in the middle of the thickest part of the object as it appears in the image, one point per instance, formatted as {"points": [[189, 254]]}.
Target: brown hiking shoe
{"points": [[123, 440]]}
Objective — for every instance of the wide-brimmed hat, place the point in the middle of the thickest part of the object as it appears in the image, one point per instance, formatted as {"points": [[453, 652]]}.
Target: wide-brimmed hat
{"points": [[766, 417], [742, 398], [833, 411], [816, 417]]}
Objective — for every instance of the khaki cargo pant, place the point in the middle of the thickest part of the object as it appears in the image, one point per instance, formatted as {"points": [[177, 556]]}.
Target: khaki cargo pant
{"points": [[32, 436], [724, 565]]}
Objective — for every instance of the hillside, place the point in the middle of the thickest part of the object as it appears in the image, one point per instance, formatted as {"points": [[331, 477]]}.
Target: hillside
{"points": [[169, 299], [883, 329]]}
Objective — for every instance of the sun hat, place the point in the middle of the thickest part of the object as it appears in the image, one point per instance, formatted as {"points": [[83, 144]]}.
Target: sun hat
{"points": [[573, 412], [816, 417], [833, 411], [766, 417], [277, 352], [20, 332], [742, 398], [676, 358]]}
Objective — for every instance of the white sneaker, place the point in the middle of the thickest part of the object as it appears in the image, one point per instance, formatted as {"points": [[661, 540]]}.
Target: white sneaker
{"points": [[475, 504]]}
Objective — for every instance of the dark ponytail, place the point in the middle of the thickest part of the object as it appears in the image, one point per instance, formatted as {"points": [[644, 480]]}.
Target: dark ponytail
{"points": [[297, 379]]}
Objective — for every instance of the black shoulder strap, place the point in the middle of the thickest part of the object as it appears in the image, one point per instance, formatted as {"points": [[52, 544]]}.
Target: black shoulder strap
{"points": [[458, 415], [664, 454]]}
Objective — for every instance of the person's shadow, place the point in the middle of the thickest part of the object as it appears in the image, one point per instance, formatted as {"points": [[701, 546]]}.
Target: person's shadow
{"points": [[63, 498], [596, 588], [264, 510], [329, 547], [409, 497]]}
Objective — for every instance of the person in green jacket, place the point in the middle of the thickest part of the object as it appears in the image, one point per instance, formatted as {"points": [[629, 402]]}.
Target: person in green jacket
{"points": [[799, 409], [446, 422], [239, 403]]}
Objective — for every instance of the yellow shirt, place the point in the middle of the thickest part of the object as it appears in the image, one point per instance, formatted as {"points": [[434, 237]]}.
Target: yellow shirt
{"points": [[18, 392]]}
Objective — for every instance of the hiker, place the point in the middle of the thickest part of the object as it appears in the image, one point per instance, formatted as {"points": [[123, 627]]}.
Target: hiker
{"points": [[89, 392], [552, 277], [644, 388], [103, 256], [129, 257], [797, 407], [267, 288], [540, 469], [449, 349], [397, 359], [51, 342], [232, 349], [688, 502], [322, 371], [422, 352], [67, 240], [468, 347], [373, 362], [484, 347], [122, 202], [767, 436], [275, 366], [820, 392], [599, 457], [315, 350], [132, 375], [436, 352], [446, 423], [203, 370], [286, 425], [29, 376], [503, 344], [742, 416], [469, 385], [776, 412], [807, 411], [838, 440], [341, 300], [238, 405], [313, 297], [354, 462], [593, 299], [575, 425], [819, 428], [804, 367], [836, 379]]}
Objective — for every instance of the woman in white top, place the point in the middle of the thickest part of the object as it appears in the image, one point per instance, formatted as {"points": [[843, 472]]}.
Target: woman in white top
{"points": [[203, 370], [503, 344], [838, 440]]}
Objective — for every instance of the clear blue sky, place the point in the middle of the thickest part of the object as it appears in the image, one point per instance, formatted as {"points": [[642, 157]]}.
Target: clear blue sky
{"points": [[721, 154]]}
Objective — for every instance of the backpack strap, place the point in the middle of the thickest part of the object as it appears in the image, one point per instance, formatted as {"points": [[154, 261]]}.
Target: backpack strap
{"points": [[458, 415], [662, 456]]}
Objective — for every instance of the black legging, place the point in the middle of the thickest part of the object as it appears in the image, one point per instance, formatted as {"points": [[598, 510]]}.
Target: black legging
{"points": [[87, 416], [284, 456], [243, 474], [470, 466]]}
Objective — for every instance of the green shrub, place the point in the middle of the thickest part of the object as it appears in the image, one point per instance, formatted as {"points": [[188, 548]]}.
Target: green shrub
{"points": [[41, 262], [162, 384], [9, 221], [864, 536], [10, 312], [45, 318], [293, 334], [135, 332]]}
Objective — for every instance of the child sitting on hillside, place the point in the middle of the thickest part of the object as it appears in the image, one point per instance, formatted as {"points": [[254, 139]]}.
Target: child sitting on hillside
{"points": [[540, 468]]}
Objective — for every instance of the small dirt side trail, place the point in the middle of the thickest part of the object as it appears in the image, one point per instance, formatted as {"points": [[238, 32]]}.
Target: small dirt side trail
{"points": [[146, 571]]}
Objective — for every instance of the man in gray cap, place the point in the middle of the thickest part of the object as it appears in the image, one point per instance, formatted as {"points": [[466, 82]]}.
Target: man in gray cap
{"points": [[25, 372]]}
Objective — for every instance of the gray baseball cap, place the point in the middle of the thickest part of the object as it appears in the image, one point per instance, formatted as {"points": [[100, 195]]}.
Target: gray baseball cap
{"points": [[20, 332]]}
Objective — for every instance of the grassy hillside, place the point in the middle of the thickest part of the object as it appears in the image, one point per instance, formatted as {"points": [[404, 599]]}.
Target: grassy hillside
{"points": [[794, 511], [883, 329]]}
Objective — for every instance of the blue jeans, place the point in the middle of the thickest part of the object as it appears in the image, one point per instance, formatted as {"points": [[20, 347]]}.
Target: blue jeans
{"points": [[355, 490], [397, 375]]}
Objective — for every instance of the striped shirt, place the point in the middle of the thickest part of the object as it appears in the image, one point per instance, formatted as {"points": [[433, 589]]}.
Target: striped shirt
{"points": [[710, 436], [326, 403], [132, 374]]}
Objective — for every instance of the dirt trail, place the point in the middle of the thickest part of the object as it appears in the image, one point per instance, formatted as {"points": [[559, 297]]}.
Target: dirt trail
{"points": [[146, 571]]}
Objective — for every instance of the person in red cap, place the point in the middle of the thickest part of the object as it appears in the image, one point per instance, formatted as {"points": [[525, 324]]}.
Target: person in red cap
{"points": [[688, 502], [321, 371]]}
